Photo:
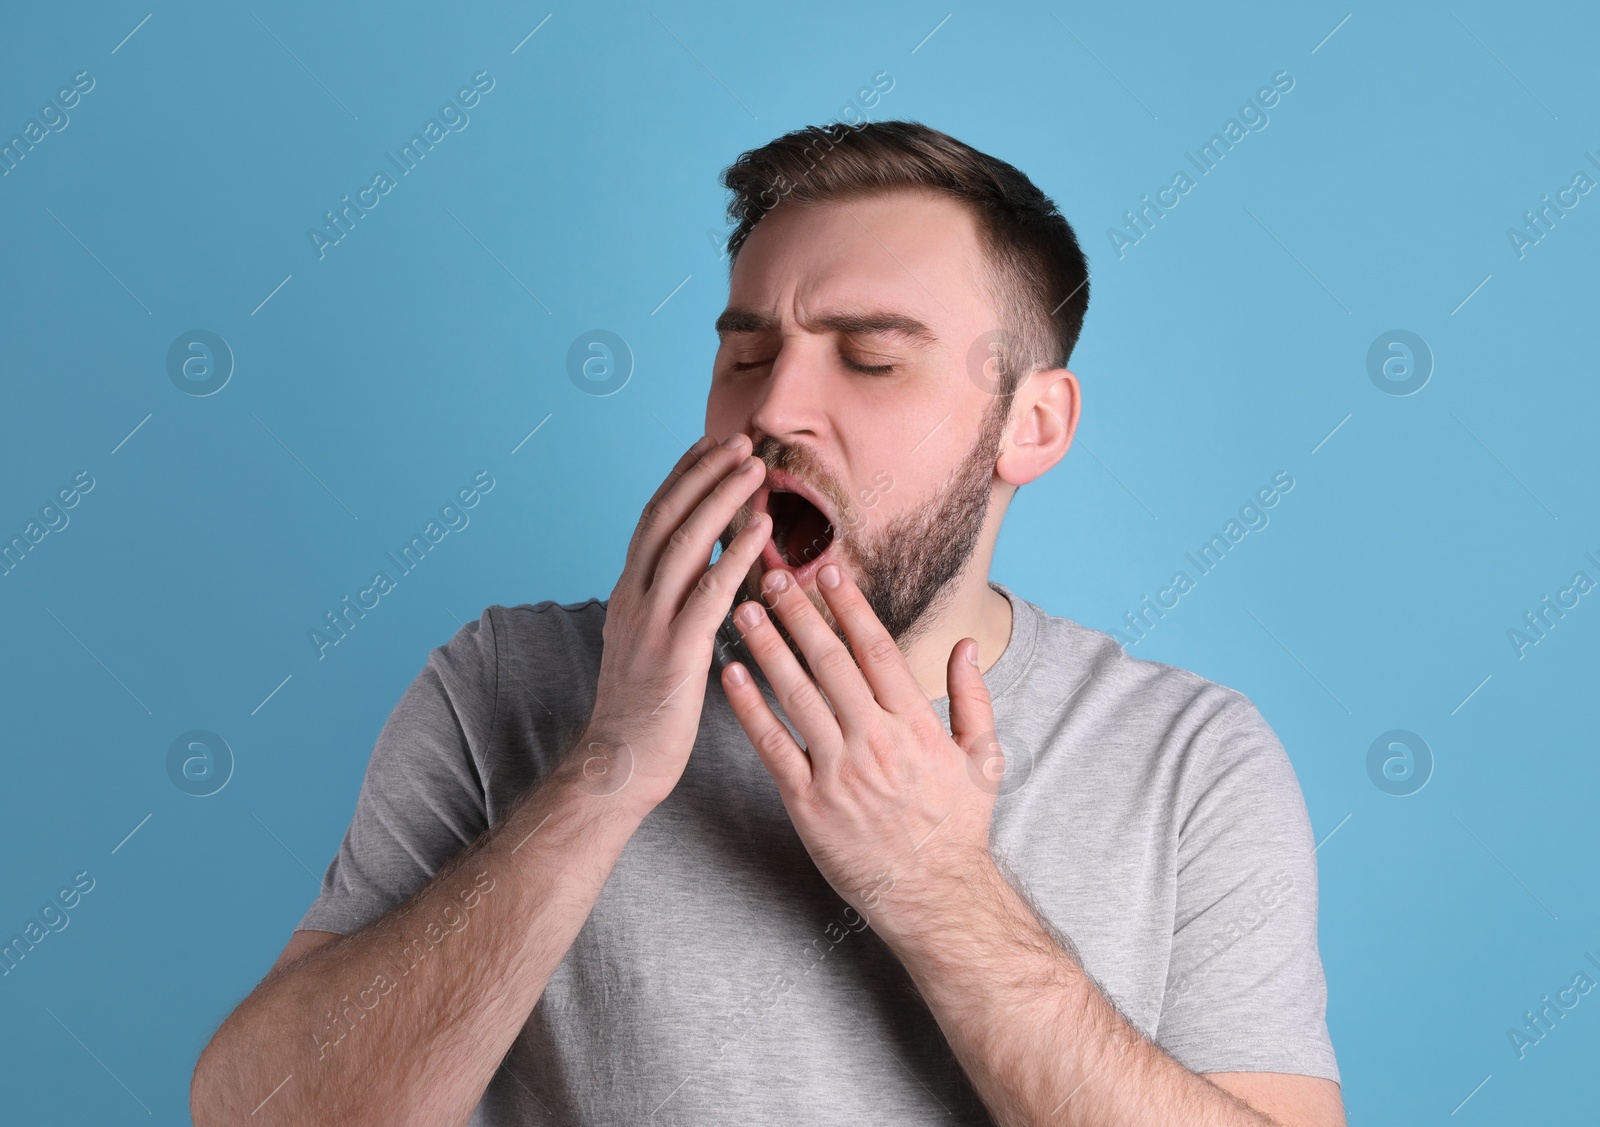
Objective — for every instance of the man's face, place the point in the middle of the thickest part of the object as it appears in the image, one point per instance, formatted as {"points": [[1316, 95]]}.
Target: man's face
{"points": [[845, 356]]}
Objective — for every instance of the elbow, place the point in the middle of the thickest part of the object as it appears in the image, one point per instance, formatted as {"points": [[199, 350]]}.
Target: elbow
{"points": [[205, 1100]]}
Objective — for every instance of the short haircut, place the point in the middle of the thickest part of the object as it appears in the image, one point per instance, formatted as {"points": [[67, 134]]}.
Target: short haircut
{"points": [[1038, 278]]}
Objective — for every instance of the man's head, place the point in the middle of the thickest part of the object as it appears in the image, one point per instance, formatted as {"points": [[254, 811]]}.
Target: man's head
{"points": [[901, 311]]}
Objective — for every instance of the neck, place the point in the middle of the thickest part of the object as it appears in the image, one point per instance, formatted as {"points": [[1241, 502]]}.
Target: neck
{"points": [[975, 610]]}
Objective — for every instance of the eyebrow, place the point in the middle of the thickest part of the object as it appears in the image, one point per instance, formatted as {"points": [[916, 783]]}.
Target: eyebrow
{"points": [[854, 322]]}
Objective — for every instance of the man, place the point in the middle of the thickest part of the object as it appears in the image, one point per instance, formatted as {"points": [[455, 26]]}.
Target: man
{"points": [[706, 851]]}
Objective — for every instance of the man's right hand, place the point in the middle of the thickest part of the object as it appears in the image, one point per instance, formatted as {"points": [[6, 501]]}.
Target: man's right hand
{"points": [[661, 623]]}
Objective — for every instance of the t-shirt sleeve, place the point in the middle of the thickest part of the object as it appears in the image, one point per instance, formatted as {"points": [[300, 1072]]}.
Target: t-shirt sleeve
{"points": [[422, 798], [1245, 987]]}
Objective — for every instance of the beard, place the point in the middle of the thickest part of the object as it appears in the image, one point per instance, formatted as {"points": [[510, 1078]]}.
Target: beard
{"points": [[907, 567]]}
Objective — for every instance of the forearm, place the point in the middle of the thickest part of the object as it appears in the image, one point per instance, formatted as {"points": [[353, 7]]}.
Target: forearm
{"points": [[406, 1020], [1033, 1033]]}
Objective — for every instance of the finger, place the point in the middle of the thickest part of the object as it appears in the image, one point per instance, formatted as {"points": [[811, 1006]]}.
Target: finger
{"points": [[662, 517], [802, 701], [830, 662], [687, 459], [787, 762], [971, 709], [708, 603], [688, 549], [876, 654]]}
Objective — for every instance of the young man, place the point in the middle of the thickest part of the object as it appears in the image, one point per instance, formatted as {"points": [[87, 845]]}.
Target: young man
{"points": [[833, 829]]}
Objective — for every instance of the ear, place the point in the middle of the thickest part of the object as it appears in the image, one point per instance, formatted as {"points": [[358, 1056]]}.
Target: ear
{"points": [[1044, 417]]}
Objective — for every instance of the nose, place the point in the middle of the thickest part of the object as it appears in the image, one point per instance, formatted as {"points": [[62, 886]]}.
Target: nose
{"points": [[792, 398]]}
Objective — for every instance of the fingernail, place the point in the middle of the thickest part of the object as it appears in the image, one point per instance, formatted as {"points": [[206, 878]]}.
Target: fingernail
{"points": [[749, 614], [737, 675], [747, 465], [829, 576], [733, 440], [972, 653], [776, 581], [700, 443]]}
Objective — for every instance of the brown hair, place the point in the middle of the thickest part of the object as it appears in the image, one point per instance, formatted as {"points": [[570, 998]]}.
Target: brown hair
{"points": [[1038, 278]]}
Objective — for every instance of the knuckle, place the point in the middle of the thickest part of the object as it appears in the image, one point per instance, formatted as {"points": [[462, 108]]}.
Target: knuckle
{"points": [[681, 537], [880, 745], [773, 741], [835, 662], [925, 729], [880, 650], [813, 709], [709, 585]]}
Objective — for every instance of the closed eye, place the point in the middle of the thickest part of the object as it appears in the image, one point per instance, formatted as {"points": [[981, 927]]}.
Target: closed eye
{"points": [[871, 369], [867, 369]]}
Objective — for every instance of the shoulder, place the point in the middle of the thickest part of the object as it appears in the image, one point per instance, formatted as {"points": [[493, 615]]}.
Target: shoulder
{"points": [[1093, 665], [504, 637], [531, 628], [1157, 727]]}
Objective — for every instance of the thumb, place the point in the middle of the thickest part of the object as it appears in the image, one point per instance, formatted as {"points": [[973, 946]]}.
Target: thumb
{"points": [[971, 710]]}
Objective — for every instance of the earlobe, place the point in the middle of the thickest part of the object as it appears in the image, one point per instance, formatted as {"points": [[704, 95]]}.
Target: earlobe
{"points": [[1046, 410]]}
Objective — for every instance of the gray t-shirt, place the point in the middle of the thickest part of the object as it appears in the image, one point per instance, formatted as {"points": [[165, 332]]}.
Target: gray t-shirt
{"points": [[1151, 816]]}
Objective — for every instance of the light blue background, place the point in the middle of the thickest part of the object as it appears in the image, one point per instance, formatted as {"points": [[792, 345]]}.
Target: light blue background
{"points": [[425, 347]]}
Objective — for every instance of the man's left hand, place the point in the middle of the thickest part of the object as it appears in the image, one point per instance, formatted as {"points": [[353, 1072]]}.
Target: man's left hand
{"points": [[894, 810]]}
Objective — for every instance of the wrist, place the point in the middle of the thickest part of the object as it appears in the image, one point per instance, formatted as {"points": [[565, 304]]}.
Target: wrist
{"points": [[601, 771], [938, 917]]}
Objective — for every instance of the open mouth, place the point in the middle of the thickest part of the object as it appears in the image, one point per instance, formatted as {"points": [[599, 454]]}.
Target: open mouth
{"points": [[801, 532]]}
